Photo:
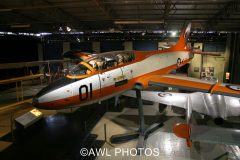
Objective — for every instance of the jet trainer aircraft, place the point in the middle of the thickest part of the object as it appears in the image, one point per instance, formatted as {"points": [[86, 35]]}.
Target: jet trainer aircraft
{"points": [[106, 75], [102, 76]]}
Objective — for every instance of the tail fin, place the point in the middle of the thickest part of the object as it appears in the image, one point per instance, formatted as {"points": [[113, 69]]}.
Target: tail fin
{"points": [[182, 42]]}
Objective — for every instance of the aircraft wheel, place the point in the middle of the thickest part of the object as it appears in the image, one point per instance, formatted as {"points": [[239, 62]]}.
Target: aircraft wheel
{"points": [[219, 121]]}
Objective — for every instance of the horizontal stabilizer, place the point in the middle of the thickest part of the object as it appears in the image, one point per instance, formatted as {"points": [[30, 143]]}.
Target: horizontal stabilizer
{"points": [[217, 135]]}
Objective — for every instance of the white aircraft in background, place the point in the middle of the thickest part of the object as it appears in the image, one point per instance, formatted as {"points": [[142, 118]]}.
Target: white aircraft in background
{"points": [[218, 107], [102, 76]]}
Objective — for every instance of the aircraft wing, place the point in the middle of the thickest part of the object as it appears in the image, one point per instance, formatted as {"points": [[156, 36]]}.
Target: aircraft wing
{"points": [[192, 84], [204, 103], [167, 98]]}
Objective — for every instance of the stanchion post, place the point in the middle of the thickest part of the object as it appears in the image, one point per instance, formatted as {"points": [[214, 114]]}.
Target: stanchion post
{"points": [[105, 132], [85, 126], [21, 90], [49, 72], [17, 91], [11, 126]]}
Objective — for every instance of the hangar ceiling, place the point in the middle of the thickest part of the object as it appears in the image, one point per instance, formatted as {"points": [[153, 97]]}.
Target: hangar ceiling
{"points": [[114, 15]]}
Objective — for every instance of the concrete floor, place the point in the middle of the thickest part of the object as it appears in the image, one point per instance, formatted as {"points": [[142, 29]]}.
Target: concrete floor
{"points": [[169, 145]]}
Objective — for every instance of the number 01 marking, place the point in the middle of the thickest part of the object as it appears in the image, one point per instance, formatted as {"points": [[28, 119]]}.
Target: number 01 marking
{"points": [[88, 92]]}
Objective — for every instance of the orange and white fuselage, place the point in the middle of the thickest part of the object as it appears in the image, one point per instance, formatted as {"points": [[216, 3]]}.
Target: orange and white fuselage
{"points": [[104, 84]]}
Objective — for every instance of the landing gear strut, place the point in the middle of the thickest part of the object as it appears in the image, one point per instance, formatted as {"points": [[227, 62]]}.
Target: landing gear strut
{"points": [[143, 131]]}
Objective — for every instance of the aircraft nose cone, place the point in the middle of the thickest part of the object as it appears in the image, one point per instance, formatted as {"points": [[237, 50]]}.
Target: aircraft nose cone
{"points": [[55, 85], [42, 96]]}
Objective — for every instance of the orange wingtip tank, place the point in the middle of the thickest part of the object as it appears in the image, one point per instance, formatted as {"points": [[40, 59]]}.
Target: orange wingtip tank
{"points": [[182, 130]]}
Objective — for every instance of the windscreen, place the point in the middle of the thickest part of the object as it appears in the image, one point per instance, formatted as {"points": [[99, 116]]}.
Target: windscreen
{"points": [[78, 70]]}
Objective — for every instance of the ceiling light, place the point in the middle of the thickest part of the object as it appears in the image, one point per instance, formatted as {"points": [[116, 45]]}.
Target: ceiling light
{"points": [[174, 33], [68, 29], [138, 22]]}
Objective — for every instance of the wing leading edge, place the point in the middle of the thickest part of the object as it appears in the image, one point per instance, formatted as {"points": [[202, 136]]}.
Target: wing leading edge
{"points": [[192, 84]]}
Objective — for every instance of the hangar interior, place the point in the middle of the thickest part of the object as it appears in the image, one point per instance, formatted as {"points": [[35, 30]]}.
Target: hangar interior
{"points": [[35, 34]]}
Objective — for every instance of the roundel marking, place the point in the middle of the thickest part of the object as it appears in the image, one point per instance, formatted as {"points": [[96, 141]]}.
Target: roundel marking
{"points": [[164, 94], [179, 61], [234, 87]]}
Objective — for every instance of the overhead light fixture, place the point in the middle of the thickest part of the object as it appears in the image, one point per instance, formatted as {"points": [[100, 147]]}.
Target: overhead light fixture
{"points": [[78, 40], [20, 26], [68, 29], [174, 33], [139, 22]]}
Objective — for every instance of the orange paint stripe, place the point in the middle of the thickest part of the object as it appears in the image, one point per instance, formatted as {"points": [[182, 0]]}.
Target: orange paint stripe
{"points": [[226, 90], [181, 82]]}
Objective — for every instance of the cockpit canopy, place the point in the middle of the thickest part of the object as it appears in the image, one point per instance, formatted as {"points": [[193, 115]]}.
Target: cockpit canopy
{"points": [[101, 61], [79, 70], [110, 59]]}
